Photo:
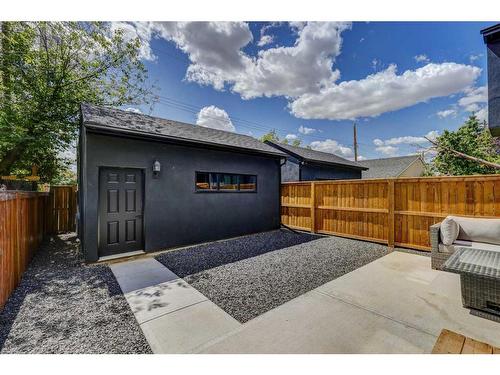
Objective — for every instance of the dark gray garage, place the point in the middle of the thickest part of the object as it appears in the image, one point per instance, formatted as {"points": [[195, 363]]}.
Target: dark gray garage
{"points": [[147, 184]]}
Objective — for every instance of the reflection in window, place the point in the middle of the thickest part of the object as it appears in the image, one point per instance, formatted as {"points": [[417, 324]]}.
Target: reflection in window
{"points": [[228, 181], [206, 181], [209, 181], [248, 183]]}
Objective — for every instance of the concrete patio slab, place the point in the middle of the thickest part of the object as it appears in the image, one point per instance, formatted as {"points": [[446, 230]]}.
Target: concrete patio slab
{"points": [[183, 331], [160, 299], [396, 304], [404, 287], [317, 323]]}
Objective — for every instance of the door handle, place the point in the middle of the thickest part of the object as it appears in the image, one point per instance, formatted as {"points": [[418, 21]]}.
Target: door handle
{"points": [[138, 216]]}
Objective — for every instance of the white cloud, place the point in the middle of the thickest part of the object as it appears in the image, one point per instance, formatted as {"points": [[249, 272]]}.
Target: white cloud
{"points": [[361, 158], [447, 113], [482, 114], [473, 98], [376, 64], [132, 109], [389, 146], [384, 91], [291, 137], [265, 40], [217, 59], [387, 150], [215, 118], [304, 72], [333, 147], [422, 58], [473, 58], [305, 130]]}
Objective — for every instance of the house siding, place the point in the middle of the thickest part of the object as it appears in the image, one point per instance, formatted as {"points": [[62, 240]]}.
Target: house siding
{"points": [[311, 172], [290, 171], [494, 88], [174, 213]]}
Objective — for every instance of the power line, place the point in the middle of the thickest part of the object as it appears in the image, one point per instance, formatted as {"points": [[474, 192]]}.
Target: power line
{"points": [[180, 105]]}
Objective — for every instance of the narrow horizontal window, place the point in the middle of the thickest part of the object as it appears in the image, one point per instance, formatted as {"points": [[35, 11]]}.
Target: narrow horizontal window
{"points": [[225, 182]]}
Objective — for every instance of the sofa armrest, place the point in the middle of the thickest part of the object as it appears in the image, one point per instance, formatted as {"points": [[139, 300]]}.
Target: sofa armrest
{"points": [[434, 236]]}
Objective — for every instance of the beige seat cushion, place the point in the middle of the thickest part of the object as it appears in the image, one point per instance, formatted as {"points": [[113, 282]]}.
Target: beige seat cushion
{"points": [[448, 231], [478, 230], [461, 243]]}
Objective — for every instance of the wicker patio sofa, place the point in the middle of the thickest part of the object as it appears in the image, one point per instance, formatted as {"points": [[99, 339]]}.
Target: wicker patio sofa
{"points": [[471, 248], [483, 234]]}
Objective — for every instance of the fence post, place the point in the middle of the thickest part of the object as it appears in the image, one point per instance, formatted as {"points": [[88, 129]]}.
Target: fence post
{"points": [[313, 207], [390, 221]]}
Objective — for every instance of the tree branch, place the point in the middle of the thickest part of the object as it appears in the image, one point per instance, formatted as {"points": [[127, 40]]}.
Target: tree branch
{"points": [[465, 156]]}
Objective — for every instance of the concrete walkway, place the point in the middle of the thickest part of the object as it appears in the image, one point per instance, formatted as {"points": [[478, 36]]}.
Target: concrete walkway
{"points": [[396, 304], [174, 317]]}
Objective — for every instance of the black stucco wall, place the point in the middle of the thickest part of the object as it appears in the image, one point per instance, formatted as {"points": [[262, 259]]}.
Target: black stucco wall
{"points": [[494, 88], [293, 171], [312, 172], [290, 171], [174, 214]]}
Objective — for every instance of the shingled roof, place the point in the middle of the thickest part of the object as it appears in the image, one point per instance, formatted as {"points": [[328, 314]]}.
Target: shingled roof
{"points": [[119, 121], [387, 167], [314, 156]]}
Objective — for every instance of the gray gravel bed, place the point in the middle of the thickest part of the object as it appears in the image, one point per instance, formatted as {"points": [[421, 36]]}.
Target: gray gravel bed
{"points": [[250, 275], [65, 306]]}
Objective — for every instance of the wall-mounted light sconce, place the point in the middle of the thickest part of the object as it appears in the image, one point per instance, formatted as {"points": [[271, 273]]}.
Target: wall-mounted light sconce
{"points": [[156, 169]]}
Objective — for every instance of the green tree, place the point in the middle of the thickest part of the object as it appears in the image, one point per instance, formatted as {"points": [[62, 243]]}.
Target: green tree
{"points": [[473, 139], [272, 136], [47, 69]]}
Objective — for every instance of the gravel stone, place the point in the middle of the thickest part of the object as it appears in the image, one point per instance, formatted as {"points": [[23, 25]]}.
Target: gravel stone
{"points": [[250, 275], [63, 305]]}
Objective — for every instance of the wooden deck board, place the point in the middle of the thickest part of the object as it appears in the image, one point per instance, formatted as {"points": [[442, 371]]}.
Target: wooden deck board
{"points": [[450, 342]]}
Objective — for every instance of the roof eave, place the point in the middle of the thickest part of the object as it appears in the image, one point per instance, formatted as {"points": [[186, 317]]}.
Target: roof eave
{"points": [[350, 166], [491, 34], [106, 129]]}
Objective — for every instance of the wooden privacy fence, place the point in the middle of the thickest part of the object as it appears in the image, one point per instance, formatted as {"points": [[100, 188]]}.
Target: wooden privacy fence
{"points": [[396, 212], [61, 209], [25, 219]]}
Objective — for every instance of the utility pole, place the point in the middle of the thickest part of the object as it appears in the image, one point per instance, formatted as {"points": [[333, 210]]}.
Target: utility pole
{"points": [[355, 143]]}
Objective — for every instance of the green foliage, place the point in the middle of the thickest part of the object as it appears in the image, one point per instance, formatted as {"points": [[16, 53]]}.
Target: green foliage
{"points": [[48, 69], [273, 137], [474, 139]]}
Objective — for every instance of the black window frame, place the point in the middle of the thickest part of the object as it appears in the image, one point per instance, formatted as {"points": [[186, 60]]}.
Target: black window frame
{"points": [[219, 190]]}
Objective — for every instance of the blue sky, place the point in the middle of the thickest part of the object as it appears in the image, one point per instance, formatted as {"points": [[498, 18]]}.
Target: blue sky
{"points": [[399, 81]]}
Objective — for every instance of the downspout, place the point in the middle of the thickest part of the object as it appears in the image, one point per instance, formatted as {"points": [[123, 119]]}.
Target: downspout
{"points": [[281, 164]]}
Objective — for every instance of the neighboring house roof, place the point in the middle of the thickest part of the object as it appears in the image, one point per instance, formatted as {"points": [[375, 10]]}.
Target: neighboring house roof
{"points": [[308, 155], [388, 167], [135, 124]]}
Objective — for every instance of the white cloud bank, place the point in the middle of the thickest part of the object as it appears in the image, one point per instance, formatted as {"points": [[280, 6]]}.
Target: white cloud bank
{"points": [[215, 118], [304, 73], [385, 91]]}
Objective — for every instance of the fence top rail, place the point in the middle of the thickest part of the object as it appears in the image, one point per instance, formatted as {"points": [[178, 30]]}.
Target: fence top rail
{"points": [[480, 177], [7, 195]]}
